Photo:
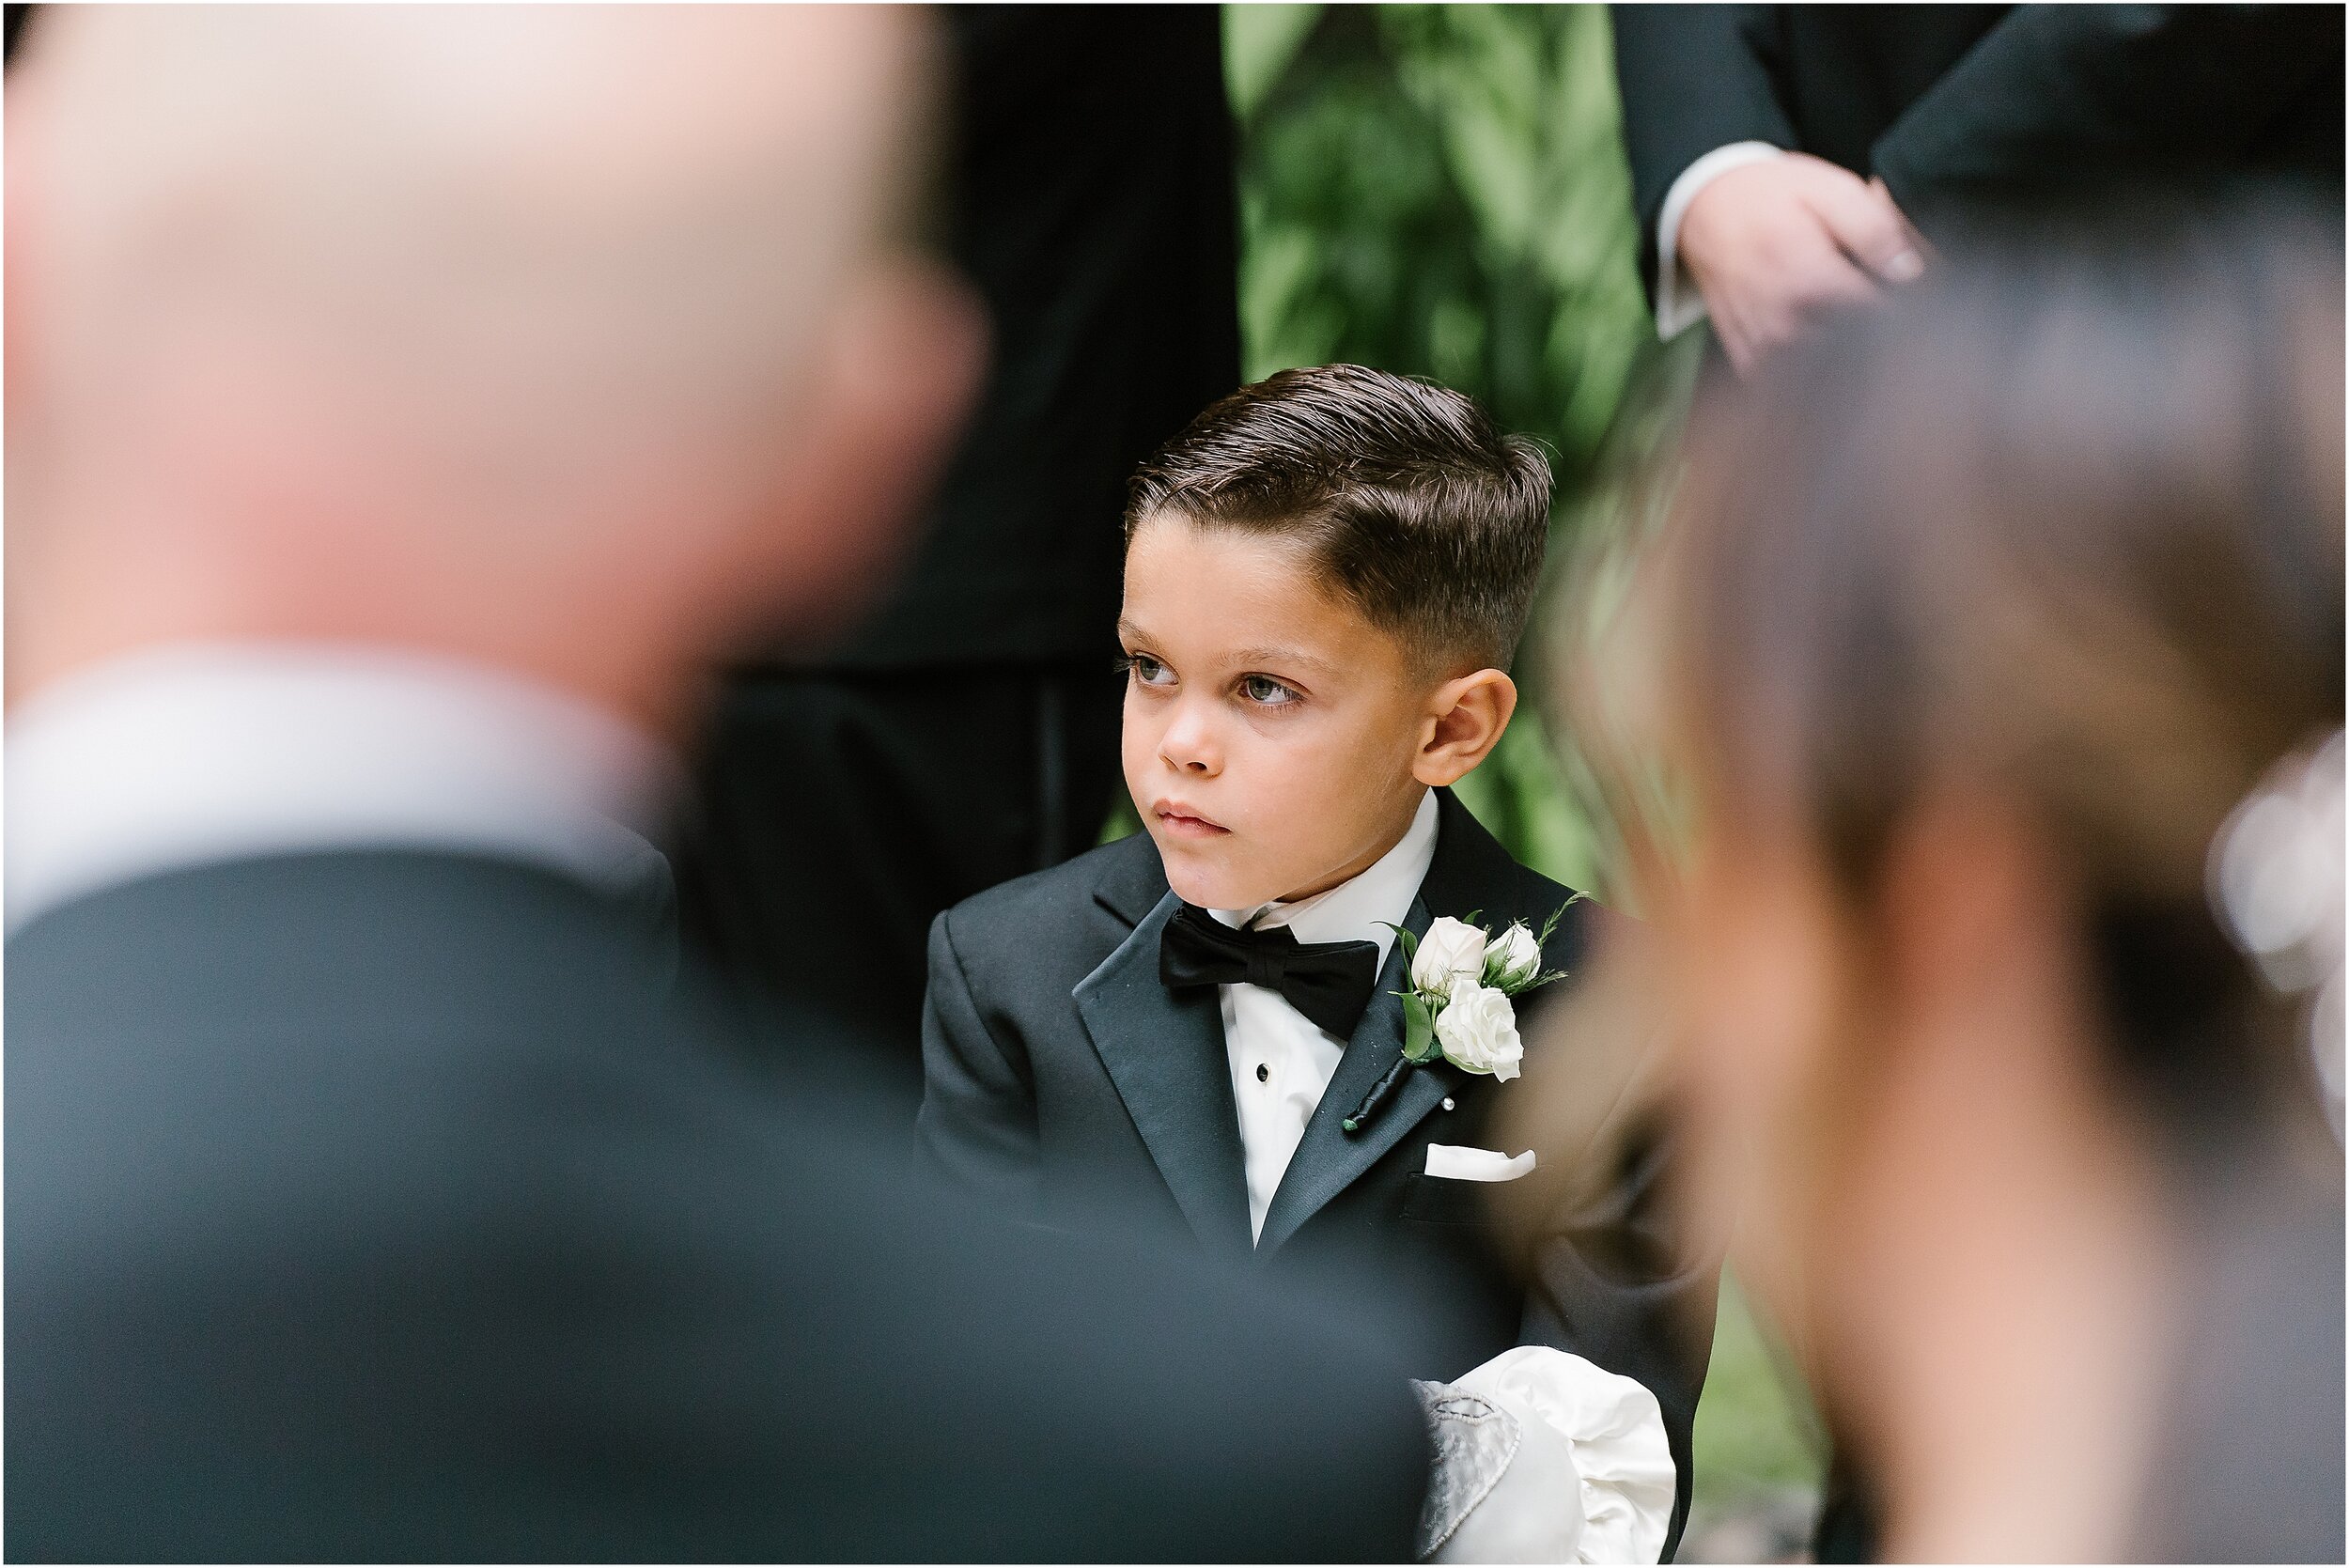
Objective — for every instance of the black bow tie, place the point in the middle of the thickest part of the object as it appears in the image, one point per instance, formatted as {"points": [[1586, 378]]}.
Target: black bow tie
{"points": [[1329, 982]]}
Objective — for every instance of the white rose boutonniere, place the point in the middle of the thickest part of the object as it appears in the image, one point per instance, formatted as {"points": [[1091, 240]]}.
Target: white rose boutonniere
{"points": [[1514, 960], [1459, 1007], [1451, 952], [1478, 1032]]}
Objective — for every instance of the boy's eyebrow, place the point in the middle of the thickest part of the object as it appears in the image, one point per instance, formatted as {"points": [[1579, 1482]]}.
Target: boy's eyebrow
{"points": [[1294, 658]]}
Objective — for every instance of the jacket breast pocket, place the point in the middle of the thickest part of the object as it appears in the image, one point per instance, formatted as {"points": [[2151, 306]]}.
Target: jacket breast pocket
{"points": [[1445, 1200]]}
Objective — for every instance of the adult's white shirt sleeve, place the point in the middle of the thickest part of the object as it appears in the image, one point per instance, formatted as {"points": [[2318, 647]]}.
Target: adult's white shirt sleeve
{"points": [[1678, 303], [1592, 1481]]}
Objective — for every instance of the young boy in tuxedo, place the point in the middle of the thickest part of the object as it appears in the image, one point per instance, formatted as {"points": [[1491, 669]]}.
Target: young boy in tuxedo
{"points": [[1326, 577]]}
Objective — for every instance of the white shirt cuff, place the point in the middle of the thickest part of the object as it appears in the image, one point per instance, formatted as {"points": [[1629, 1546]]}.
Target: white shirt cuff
{"points": [[1678, 305], [1620, 1477]]}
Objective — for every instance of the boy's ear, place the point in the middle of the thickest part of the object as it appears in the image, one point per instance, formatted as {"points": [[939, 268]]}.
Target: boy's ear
{"points": [[1462, 724]]}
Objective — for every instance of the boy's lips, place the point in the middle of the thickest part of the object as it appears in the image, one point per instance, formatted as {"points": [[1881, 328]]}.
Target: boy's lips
{"points": [[1181, 820]]}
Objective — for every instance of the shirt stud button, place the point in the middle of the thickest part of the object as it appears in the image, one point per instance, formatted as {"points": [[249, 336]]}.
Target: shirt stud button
{"points": [[1447, 1102], [1263, 1074]]}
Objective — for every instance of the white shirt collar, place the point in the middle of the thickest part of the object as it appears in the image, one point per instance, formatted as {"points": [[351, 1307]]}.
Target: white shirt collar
{"points": [[192, 753], [1362, 907]]}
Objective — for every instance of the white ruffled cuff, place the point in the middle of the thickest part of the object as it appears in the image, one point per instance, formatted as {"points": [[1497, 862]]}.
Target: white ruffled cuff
{"points": [[1592, 1479]]}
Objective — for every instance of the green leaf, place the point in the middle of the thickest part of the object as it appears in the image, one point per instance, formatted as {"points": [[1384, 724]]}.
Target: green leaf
{"points": [[1542, 937], [1419, 1029], [1259, 42], [1537, 983]]}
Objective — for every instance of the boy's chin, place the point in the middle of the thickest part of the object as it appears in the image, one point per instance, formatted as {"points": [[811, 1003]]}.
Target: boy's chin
{"points": [[1207, 878]]}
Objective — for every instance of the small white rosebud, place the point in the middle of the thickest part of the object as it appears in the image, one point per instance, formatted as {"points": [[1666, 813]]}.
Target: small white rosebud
{"points": [[1514, 959], [1452, 951], [1478, 1031]]}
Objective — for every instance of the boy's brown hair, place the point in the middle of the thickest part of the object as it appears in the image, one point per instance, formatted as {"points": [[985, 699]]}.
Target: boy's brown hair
{"points": [[1411, 503]]}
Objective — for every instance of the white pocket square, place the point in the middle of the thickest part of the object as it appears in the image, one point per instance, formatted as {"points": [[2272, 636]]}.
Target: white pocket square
{"points": [[1476, 1165]]}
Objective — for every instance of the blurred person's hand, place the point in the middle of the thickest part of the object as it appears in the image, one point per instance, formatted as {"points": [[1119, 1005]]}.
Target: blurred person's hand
{"points": [[1773, 244]]}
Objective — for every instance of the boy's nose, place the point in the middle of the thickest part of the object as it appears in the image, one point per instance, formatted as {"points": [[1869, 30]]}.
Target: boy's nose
{"points": [[1188, 747]]}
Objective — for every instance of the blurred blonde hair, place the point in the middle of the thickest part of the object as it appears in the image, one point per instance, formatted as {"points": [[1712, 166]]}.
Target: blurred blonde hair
{"points": [[2065, 523]]}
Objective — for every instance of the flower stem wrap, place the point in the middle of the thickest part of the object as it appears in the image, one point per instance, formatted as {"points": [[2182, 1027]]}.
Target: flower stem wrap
{"points": [[1375, 1100]]}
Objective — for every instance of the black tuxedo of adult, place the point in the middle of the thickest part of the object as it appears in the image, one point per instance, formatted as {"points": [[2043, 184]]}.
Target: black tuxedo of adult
{"points": [[383, 1205], [1066, 1082], [1963, 108], [966, 731]]}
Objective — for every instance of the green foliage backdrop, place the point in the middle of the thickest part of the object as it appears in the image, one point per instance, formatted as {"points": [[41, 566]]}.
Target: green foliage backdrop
{"points": [[1441, 190]]}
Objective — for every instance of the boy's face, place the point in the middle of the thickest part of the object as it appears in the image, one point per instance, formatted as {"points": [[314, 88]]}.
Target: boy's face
{"points": [[1271, 728]]}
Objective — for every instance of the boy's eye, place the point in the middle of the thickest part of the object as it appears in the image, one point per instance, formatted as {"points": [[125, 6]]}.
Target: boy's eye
{"points": [[1149, 670], [1265, 691]]}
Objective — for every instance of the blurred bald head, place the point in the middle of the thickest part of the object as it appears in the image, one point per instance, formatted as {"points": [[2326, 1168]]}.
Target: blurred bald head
{"points": [[458, 325]]}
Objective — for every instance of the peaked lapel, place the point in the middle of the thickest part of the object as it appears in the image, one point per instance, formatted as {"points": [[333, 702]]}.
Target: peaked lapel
{"points": [[1327, 1160], [1470, 873], [1165, 1053]]}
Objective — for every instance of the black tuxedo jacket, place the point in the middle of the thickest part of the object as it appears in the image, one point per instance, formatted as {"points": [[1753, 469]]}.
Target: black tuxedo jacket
{"points": [[1089, 199], [1964, 107], [1066, 1083], [382, 1206]]}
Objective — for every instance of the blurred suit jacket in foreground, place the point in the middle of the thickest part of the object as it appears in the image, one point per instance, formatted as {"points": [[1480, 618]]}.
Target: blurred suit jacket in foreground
{"points": [[374, 1205]]}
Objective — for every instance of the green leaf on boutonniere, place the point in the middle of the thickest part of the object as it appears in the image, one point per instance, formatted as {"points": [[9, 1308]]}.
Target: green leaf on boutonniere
{"points": [[1541, 939], [1404, 939], [1549, 926], [1419, 1029]]}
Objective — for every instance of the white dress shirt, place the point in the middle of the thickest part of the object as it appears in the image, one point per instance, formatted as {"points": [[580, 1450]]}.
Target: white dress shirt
{"points": [[1281, 1062], [195, 754]]}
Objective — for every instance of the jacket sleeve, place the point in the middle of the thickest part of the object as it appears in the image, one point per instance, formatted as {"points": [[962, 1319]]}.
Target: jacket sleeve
{"points": [[1692, 78], [978, 1119], [2070, 94]]}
